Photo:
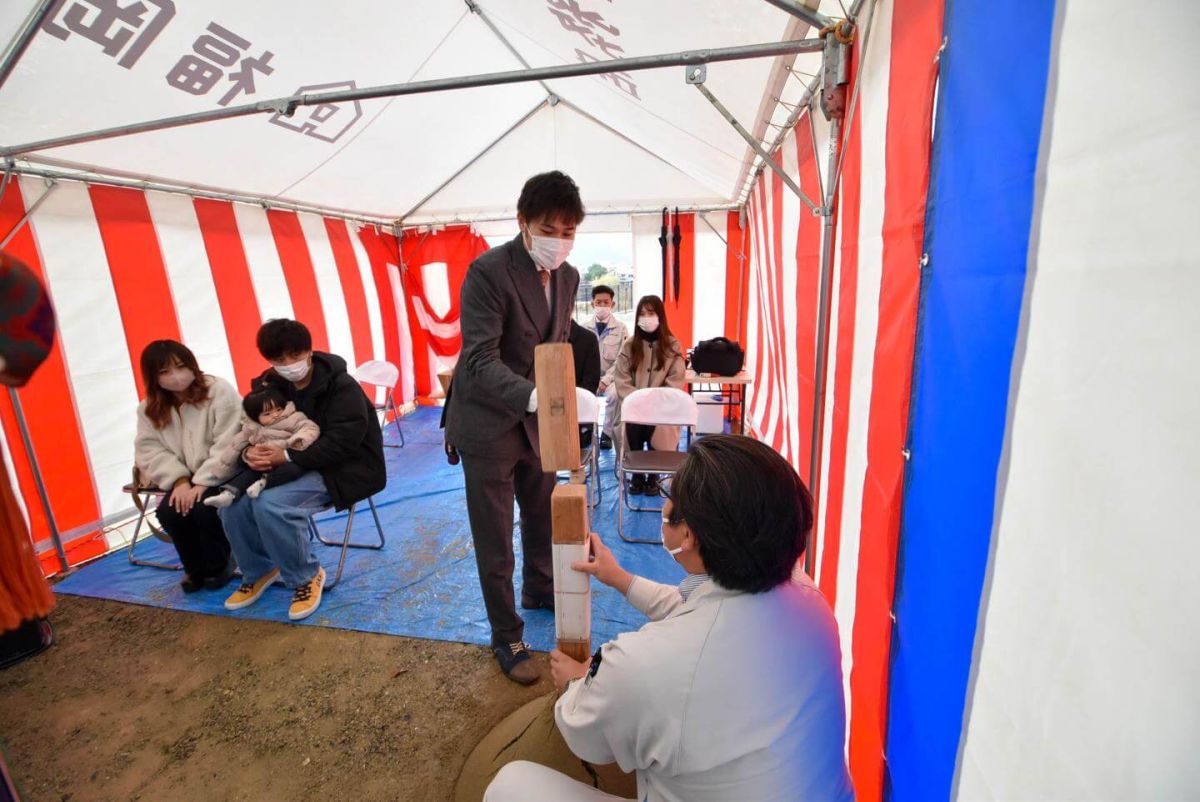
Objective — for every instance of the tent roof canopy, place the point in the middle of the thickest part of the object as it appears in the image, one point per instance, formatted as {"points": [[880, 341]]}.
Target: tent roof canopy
{"points": [[634, 140]]}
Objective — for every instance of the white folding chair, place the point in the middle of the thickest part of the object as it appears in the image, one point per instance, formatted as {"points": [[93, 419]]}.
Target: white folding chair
{"points": [[379, 373], [588, 410], [345, 543], [652, 406]]}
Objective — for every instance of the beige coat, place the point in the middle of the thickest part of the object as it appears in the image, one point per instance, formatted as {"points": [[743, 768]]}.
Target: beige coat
{"points": [[294, 430], [191, 443], [668, 375]]}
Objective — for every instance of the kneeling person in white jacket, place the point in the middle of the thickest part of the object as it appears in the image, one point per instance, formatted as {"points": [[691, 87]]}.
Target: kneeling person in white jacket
{"points": [[734, 690], [271, 420]]}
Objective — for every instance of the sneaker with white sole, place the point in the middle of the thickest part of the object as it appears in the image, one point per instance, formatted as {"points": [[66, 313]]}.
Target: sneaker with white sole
{"points": [[307, 597], [248, 592]]}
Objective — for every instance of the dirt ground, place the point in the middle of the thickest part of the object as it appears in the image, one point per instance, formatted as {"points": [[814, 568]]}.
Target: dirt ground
{"points": [[144, 703]]}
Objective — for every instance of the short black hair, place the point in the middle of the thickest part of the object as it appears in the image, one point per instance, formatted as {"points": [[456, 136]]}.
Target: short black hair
{"points": [[601, 289], [552, 195], [279, 337], [261, 397], [748, 509]]}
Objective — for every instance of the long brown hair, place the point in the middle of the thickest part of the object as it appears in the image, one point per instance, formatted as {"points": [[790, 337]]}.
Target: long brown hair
{"points": [[159, 402], [662, 345]]}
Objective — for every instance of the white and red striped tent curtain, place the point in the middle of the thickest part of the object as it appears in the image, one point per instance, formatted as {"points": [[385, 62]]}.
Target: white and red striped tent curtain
{"points": [[126, 267]]}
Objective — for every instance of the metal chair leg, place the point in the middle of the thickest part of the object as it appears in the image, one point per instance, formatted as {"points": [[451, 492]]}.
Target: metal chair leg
{"points": [[389, 402], [133, 544], [345, 542], [622, 502]]}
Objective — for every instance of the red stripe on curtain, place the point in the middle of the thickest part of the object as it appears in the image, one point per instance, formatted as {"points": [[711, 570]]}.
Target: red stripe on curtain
{"points": [[352, 289], [382, 249], [235, 290], [299, 273], [916, 36], [48, 401], [138, 273]]}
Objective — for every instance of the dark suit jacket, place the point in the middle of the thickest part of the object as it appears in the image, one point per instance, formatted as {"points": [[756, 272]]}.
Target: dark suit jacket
{"points": [[586, 350], [503, 317]]}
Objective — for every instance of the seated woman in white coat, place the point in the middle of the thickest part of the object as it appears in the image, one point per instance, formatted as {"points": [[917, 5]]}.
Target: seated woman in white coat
{"points": [[734, 690]]}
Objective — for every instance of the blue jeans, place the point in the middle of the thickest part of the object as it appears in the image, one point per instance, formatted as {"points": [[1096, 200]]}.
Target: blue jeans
{"points": [[272, 530]]}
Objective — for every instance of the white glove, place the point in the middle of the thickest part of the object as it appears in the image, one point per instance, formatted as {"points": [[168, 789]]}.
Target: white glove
{"points": [[532, 405]]}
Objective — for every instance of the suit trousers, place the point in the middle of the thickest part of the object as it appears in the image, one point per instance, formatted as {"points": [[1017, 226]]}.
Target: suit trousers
{"points": [[510, 469]]}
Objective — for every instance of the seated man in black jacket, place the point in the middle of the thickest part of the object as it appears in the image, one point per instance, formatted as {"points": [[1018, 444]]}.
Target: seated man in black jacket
{"points": [[269, 535], [585, 349]]}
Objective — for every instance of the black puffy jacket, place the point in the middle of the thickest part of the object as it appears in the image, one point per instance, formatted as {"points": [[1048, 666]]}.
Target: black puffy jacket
{"points": [[349, 452]]}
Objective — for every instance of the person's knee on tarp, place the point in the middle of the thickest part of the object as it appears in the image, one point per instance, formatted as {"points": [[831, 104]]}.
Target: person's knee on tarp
{"points": [[652, 357], [734, 689], [343, 466], [187, 418]]}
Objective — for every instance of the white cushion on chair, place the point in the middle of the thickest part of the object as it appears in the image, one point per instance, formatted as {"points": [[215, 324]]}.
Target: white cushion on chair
{"points": [[587, 406], [659, 406], [377, 372]]}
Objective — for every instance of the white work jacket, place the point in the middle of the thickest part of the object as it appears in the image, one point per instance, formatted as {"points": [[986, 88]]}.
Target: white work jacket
{"points": [[610, 346], [727, 696]]}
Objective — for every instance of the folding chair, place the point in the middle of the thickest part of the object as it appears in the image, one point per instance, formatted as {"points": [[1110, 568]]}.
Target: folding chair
{"points": [[146, 498], [345, 543], [652, 406], [588, 407], [379, 373]]}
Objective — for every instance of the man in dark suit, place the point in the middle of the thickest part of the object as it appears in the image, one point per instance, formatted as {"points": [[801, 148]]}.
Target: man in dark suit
{"points": [[515, 297]]}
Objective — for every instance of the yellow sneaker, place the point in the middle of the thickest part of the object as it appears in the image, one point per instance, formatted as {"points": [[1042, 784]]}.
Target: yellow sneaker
{"points": [[308, 597], [248, 592]]}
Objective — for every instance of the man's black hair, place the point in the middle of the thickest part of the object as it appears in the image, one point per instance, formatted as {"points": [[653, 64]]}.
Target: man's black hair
{"points": [[551, 195], [261, 397], [601, 289], [748, 509], [280, 337]]}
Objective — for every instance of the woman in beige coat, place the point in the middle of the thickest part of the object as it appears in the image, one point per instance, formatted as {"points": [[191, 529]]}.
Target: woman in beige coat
{"points": [[652, 357], [186, 421]]}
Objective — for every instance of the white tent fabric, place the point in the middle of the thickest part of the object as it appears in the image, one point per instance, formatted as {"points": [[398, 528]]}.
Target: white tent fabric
{"points": [[660, 139]]}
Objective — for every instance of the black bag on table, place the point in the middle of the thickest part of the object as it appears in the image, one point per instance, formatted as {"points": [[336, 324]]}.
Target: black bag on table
{"points": [[720, 356]]}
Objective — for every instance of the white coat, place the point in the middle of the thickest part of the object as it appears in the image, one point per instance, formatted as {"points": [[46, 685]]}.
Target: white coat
{"points": [[610, 346], [728, 695], [191, 443]]}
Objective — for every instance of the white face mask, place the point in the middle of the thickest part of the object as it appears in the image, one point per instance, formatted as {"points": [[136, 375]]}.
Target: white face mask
{"points": [[603, 313], [666, 548], [549, 252], [176, 380], [648, 323], [294, 372]]}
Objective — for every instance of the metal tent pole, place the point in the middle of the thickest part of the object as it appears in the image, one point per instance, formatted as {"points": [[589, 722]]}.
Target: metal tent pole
{"points": [[288, 105], [541, 105], [25, 219], [752, 142], [156, 186], [55, 537], [21, 41], [809, 15], [822, 355]]}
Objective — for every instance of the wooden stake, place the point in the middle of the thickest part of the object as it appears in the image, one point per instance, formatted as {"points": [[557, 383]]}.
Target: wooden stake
{"points": [[558, 432]]}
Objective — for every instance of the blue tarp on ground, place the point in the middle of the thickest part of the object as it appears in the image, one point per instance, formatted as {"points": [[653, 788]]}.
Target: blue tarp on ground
{"points": [[423, 583]]}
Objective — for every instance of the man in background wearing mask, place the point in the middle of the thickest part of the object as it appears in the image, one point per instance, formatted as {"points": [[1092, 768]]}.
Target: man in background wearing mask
{"points": [[515, 297], [611, 333], [269, 535]]}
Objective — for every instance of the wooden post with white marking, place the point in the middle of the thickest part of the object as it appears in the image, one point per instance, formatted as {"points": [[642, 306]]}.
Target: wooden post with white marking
{"points": [[558, 432]]}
